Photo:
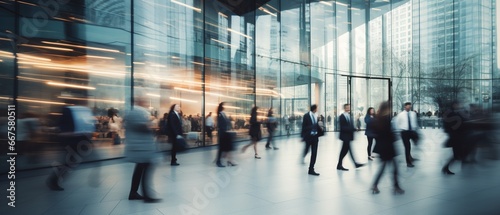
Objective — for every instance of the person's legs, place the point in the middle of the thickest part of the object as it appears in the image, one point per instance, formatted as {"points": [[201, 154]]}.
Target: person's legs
{"points": [[255, 149], [397, 189], [146, 173], [136, 179], [219, 156], [379, 174], [406, 142], [314, 153], [352, 154], [370, 144], [343, 153], [306, 149], [173, 152]]}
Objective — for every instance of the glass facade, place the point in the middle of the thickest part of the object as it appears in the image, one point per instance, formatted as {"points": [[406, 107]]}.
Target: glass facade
{"points": [[284, 56]]}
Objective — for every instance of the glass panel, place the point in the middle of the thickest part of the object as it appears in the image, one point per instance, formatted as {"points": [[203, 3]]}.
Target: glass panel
{"points": [[230, 65], [7, 57], [342, 98], [360, 97], [330, 101], [167, 62]]}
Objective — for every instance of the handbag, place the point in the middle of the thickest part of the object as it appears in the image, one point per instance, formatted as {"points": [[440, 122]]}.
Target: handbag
{"points": [[321, 131], [180, 145]]}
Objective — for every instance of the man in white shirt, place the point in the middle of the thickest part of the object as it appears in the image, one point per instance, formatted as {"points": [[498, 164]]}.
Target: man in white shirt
{"points": [[406, 123], [209, 125]]}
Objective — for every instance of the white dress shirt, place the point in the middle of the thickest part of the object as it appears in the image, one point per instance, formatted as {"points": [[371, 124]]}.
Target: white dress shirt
{"points": [[402, 121]]}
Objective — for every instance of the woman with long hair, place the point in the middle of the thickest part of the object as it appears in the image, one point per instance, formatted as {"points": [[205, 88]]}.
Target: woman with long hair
{"points": [[254, 132], [385, 138], [370, 134]]}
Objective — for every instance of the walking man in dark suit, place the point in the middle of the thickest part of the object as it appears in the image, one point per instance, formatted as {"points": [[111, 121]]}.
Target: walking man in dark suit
{"points": [[174, 128], [310, 133], [346, 135]]}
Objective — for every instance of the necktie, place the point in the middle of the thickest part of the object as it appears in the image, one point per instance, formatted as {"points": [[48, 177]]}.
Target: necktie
{"points": [[409, 121]]}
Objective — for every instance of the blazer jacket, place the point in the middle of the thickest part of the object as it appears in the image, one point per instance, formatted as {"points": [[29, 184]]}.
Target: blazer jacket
{"points": [[308, 127], [346, 129], [174, 126]]}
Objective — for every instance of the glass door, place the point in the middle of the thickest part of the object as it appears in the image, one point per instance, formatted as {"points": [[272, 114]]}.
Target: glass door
{"points": [[363, 93]]}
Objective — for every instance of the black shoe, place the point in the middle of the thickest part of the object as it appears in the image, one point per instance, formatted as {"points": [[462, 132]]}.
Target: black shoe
{"points": [[359, 165], [276, 148], [313, 173], [174, 164], [54, 186], [151, 200], [229, 163], [375, 190], [219, 164], [269, 147], [399, 191], [342, 168], [135, 196], [257, 156], [410, 165], [446, 171]]}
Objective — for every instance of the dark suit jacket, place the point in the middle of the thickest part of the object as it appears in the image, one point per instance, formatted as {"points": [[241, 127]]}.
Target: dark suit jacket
{"points": [[346, 129], [308, 127], [174, 126], [226, 138]]}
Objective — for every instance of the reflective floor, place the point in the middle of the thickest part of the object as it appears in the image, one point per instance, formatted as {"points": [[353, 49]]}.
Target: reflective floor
{"points": [[276, 184]]}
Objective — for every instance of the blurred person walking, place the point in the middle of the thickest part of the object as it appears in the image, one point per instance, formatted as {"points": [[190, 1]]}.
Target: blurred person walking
{"points": [[385, 138], [255, 132], [174, 131], [310, 133], [115, 126], [140, 148], [370, 134], [272, 124], [454, 125], [76, 126], [225, 137], [209, 126], [346, 135]]}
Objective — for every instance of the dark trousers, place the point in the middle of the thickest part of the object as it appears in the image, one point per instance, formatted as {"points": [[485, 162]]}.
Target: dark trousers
{"points": [[346, 147], [406, 136], [314, 152], [370, 144], [381, 171], [141, 173], [209, 130], [270, 139], [219, 155], [173, 152]]}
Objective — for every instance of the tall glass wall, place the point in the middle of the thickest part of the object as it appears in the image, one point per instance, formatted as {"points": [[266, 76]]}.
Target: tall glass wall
{"points": [[283, 56]]}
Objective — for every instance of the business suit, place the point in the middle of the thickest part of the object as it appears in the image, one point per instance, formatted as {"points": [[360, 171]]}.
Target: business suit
{"points": [[310, 136], [407, 124], [225, 139], [346, 135], [174, 129]]}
